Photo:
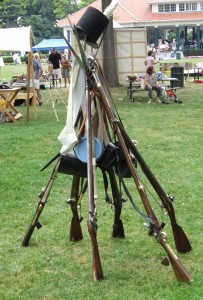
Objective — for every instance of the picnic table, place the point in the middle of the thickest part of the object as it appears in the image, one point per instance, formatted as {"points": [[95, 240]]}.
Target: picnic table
{"points": [[134, 85]]}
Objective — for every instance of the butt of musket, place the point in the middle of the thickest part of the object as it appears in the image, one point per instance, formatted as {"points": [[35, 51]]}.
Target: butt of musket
{"points": [[96, 261], [75, 228], [181, 273]]}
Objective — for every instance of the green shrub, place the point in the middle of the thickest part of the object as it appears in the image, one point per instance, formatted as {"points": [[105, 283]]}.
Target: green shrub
{"points": [[9, 59], [193, 52]]}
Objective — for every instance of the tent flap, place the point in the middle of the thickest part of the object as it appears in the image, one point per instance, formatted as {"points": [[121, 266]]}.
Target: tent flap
{"points": [[15, 39], [59, 44]]}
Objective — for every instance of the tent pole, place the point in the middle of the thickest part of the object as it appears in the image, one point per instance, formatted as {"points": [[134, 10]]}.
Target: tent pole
{"points": [[33, 86], [28, 86], [32, 78]]}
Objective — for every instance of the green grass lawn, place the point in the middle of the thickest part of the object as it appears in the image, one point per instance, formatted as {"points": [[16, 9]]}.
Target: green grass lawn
{"points": [[170, 140], [8, 71]]}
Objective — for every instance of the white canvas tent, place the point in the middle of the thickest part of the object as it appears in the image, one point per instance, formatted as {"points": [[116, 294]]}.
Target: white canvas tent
{"points": [[15, 39], [19, 39]]}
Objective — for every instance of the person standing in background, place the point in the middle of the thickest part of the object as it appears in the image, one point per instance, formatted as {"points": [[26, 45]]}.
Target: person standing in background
{"points": [[55, 60], [18, 59], [150, 61], [37, 74], [15, 58], [65, 69]]}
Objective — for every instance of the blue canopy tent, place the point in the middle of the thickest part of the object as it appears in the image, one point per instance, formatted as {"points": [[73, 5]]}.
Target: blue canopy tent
{"points": [[59, 44]]}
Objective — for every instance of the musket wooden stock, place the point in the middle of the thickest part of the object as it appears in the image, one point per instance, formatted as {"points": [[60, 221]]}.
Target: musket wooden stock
{"points": [[75, 228], [179, 270], [182, 243], [181, 273], [92, 226], [42, 200], [96, 261]]}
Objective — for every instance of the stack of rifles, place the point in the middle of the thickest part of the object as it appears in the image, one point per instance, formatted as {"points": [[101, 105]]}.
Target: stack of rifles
{"points": [[106, 145]]}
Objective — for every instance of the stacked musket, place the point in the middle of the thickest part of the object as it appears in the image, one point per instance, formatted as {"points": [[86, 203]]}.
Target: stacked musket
{"points": [[102, 142]]}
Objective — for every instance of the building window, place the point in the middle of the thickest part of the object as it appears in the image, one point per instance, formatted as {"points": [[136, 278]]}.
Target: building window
{"points": [[166, 8], [173, 7], [191, 6], [181, 7], [201, 6], [194, 6], [188, 6]]}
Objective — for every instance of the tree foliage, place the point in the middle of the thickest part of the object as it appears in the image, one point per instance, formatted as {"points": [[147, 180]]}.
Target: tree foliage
{"points": [[62, 8], [11, 12], [84, 3], [41, 15]]}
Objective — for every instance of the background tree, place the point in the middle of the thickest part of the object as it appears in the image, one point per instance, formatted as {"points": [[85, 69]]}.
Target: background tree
{"points": [[109, 60], [171, 35], [84, 3], [42, 28], [62, 8], [41, 15], [10, 13]]}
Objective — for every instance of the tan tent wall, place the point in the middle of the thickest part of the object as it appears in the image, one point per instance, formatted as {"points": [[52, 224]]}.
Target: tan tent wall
{"points": [[130, 48], [130, 45]]}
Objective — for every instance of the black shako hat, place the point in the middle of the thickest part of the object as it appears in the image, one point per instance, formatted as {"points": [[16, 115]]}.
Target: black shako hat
{"points": [[91, 25]]}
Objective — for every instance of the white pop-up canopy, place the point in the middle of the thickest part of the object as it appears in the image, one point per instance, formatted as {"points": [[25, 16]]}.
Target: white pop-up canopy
{"points": [[20, 39], [16, 39]]}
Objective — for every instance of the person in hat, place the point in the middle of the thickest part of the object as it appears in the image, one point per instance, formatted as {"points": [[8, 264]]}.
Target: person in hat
{"points": [[55, 60], [37, 74], [65, 69]]}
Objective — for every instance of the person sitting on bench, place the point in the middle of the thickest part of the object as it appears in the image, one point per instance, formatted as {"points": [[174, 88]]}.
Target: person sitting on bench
{"points": [[150, 82]]}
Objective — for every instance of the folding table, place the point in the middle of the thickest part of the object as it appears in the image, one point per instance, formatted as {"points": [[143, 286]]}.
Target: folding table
{"points": [[6, 98]]}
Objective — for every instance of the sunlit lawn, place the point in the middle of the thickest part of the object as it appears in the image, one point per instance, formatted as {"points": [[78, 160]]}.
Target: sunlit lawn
{"points": [[170, 140]]}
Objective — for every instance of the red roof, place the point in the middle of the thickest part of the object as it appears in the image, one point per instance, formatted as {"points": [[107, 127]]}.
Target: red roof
{"points": [[138, 12]]}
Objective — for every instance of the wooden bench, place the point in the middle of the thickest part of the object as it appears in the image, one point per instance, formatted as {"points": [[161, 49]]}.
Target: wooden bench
{"points": [[21, 98]]}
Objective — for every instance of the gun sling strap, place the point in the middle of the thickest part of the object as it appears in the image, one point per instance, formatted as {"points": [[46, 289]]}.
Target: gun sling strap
{"points": [[148, 219], [109, 200]]}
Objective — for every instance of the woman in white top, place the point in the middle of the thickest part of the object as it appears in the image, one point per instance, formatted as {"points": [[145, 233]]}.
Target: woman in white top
{"points": [[150, 61]]}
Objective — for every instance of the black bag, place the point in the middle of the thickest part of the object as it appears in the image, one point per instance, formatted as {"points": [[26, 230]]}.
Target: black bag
{"points": [[109, 157], [71, 165], [113, 156], [121, 168]]}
